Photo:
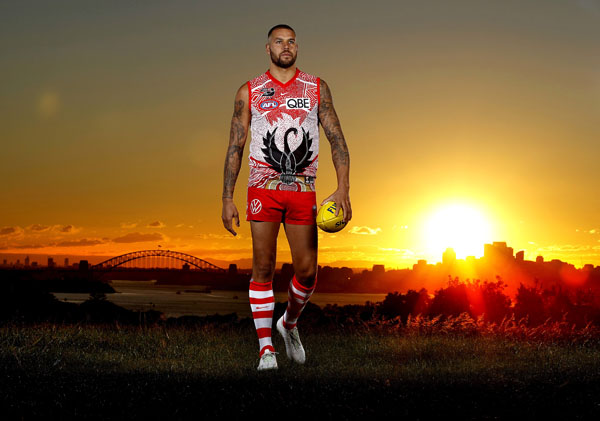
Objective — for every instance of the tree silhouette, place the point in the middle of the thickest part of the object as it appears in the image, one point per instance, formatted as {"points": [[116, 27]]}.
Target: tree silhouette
{"points": [[530, 303]]}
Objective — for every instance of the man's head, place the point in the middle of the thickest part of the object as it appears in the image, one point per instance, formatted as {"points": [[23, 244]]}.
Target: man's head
{"points": [[281, 46]]}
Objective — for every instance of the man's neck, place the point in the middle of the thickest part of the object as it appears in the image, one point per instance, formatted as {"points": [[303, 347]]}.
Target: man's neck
{"points": [[281, 74]]}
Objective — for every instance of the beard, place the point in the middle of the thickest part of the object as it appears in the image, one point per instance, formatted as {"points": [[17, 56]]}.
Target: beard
{"points": [[281, 63]]}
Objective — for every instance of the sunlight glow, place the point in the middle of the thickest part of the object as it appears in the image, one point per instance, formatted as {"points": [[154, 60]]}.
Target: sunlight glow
{"points": [[459, 226]]}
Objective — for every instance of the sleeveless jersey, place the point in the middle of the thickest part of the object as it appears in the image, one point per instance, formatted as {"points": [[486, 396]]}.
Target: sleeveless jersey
{"points": [[285, 132]]}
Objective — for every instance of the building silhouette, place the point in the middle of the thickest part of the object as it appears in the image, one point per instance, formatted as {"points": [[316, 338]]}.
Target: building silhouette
{"points": [[520, 256], [378, 268], [497, 249], [449, 257]]}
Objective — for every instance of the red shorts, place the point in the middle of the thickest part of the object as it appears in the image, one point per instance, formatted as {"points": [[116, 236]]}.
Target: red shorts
{"points": [[292, 207]]}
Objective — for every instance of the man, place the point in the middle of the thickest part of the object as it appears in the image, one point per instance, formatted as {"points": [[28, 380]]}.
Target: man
{"points": [[283, 107]]}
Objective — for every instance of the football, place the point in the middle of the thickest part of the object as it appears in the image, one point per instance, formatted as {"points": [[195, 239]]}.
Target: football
{"points": [[326, 219]]}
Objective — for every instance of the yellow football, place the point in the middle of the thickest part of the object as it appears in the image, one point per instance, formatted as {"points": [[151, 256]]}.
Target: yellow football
{"points": [[326, 219]]}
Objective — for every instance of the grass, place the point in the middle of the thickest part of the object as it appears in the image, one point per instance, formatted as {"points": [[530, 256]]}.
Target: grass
{"points": [[176, 372]]}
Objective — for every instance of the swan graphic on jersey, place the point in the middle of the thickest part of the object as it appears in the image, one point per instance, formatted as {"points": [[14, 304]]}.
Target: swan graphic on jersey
{"points": [[286, 162]]}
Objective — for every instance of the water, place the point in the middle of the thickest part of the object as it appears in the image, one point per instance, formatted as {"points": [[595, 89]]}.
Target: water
{"points": [[179, 300]]}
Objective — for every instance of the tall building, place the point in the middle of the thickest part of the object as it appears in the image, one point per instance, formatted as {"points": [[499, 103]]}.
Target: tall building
{"points": [[27, 261], [51, 263], [232, 269], [66, 262], [378, 269], [449, 256], [421, 263], [497, 249], [520, 255]]}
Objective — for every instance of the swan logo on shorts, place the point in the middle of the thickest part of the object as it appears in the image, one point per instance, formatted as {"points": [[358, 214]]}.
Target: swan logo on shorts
{"points": [[255, 206]]}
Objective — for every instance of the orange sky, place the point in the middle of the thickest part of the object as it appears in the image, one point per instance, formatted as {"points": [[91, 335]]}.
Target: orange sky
{"points": [[116, 118]]}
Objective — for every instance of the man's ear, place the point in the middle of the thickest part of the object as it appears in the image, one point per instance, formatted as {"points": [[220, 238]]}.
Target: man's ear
{"points": [[268, 48]]}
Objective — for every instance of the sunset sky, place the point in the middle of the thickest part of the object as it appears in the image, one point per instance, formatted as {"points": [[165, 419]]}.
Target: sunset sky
{"points": [[115, 123]]}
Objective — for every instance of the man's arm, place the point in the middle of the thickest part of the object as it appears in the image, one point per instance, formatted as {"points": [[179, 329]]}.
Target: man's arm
{"points": [[339, 151], [240, 122]]}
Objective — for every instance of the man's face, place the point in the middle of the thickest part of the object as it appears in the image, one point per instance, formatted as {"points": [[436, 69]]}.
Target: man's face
{"points": [[282, 47]]}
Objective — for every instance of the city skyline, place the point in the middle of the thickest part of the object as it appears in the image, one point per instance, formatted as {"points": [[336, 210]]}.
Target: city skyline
{"points": [[448, 257]]}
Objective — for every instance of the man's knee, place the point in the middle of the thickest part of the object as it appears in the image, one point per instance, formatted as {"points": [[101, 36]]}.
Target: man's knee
{"points": [[263, 271], [306, 275]]}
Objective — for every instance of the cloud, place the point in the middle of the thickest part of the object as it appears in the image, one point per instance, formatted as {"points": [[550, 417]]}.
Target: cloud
{"points": [[128, 225], [80, 242], [564, 248], [156, 224], [48, 104], [38, 227], [69, 243], [11, 231], [226, 236], [404, 252], [365, 230], [138, 237], [25, 246], [65, 229]]}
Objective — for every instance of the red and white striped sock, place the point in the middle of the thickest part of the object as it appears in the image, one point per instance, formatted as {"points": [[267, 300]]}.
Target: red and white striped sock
{"points": [[262, 304], [298, 296]]}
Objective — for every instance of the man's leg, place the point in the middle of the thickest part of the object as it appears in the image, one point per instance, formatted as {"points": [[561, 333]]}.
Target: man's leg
{"points": [[303, 245], [262, 302]]}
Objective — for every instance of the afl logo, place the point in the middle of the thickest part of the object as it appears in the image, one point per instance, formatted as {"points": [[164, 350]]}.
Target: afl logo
{"points": [[255, 206], [269, 104]]}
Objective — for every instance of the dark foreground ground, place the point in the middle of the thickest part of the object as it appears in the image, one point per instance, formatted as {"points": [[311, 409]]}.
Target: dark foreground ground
{"points": [[210, 372]]}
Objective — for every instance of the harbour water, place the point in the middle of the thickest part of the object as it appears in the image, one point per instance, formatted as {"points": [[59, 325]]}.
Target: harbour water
{"points": [[180, 300]]}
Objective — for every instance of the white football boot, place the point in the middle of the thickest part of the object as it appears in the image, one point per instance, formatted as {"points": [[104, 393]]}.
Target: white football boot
{"points": [[267, 361], [293, 346]]}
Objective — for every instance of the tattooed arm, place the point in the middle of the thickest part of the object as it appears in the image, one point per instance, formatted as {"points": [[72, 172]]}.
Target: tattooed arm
{"points": [[339, 151], [240, 122]]}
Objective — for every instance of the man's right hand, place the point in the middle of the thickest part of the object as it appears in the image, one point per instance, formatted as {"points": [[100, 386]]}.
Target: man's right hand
{"points": [[230, 212]]}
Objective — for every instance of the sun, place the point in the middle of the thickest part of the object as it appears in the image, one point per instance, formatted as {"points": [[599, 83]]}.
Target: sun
{"points": [[459, 226]]}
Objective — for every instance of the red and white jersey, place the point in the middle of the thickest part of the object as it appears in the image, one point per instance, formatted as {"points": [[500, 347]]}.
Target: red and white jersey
{"points": [[285, 132]]}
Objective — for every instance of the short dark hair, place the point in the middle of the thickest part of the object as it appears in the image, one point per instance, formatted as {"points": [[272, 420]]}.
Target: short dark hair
{"points": [[280, 26]]}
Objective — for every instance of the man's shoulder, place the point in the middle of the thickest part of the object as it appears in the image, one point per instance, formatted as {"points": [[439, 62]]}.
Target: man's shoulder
{"points": [[258, 80], [307, 77]]}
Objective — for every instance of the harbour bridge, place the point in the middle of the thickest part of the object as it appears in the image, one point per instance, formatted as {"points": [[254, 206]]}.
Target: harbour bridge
{"points": [[157, 259]]}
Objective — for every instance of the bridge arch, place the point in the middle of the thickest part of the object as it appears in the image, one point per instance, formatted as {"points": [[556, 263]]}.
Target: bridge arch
{"points": [[122, 259]]}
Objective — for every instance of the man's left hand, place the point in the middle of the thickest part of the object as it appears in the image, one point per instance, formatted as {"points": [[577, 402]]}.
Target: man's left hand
{"points": [[341, 197]]}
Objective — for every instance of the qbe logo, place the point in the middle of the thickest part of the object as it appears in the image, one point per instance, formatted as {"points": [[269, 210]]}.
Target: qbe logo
{"points": [[269, 104], [298, 103], [255, 206]]}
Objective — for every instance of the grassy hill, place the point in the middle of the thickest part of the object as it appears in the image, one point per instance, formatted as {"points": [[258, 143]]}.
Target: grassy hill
{"points": [[173, 372]]}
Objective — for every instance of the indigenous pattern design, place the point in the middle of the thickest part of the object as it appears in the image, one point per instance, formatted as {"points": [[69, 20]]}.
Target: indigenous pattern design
{"points": [[284, 148]]}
